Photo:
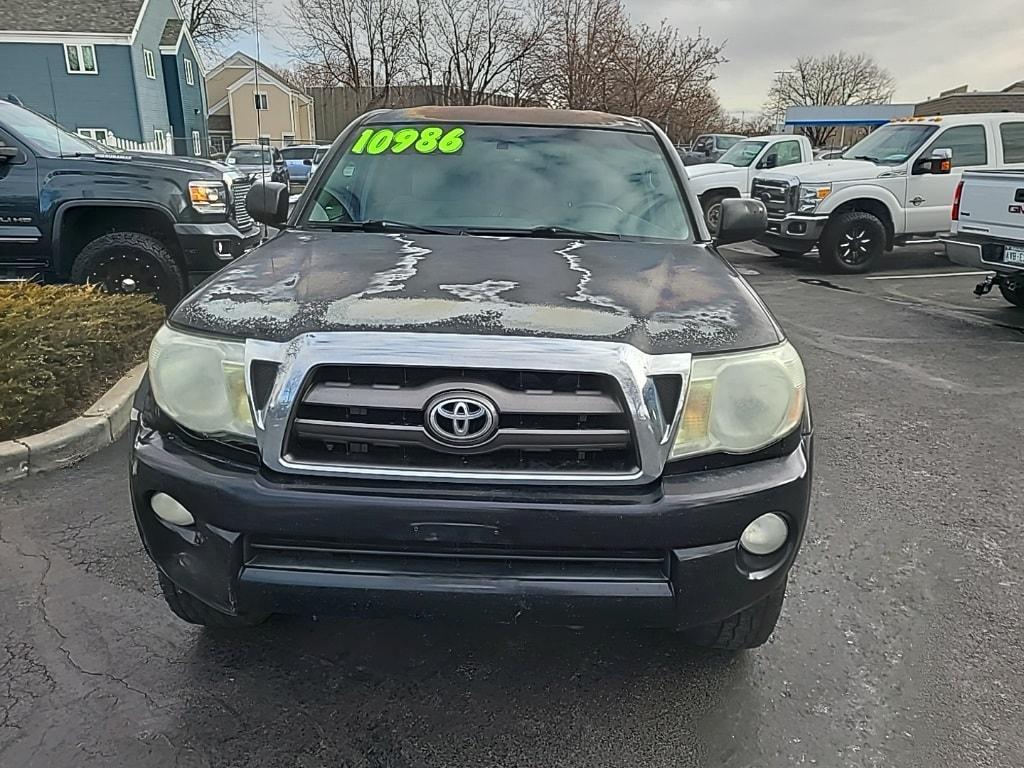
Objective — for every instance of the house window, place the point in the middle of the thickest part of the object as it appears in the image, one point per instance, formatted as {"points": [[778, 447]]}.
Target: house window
{"points": [[150, 64], [190, 77], [81, 59], [97, 134], [261, 101], [287, 139], [197, 144], [159, 137]]}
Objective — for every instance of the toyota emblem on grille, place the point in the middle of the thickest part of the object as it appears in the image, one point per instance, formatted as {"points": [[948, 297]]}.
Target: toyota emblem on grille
{"points": [[463, 419]]}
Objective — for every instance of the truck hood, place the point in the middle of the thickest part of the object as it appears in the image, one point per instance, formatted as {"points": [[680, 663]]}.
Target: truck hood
{"points": [[661, 298], [196, 165], [707, 169], [824, 171]]}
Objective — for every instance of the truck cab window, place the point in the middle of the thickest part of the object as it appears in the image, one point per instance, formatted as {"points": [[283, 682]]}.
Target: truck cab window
{"points": [[1012, 135], [967, 142]]}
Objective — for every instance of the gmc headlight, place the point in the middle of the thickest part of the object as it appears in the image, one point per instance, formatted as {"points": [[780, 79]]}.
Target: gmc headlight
{"points": [[200, 383], [811, 196], [742, 402], [208, 196]]}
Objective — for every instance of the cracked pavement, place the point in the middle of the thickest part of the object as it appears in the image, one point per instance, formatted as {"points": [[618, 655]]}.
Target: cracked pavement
{"points": [[899, 644]]}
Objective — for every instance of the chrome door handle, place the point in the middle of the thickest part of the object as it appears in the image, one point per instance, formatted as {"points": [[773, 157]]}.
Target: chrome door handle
{"points": [[917, 201]]}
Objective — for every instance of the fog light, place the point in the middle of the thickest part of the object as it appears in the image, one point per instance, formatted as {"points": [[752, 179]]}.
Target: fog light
{"points": [[170, 509], [765, 535]]}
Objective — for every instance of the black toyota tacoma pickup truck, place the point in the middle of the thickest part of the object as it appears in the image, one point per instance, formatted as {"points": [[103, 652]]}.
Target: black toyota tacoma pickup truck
{"points": [[492, 366], [71, 209]]}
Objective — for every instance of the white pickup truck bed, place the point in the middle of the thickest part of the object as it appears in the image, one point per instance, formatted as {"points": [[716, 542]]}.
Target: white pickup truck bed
{"points": [[988, 229]]}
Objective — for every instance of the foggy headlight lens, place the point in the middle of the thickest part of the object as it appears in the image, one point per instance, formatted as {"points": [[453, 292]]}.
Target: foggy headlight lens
{"points": [[742, 402], [200, 383]]}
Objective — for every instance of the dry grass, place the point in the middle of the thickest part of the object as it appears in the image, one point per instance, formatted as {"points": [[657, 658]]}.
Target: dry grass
{"points": [[61, 347]]}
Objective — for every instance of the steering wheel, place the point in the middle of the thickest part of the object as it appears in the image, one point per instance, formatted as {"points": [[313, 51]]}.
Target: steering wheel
{"points": [[336, 202]]}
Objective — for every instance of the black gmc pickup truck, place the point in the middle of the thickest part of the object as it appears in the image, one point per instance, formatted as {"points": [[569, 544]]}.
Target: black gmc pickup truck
{"points": [[493, 365], [71, 209]]}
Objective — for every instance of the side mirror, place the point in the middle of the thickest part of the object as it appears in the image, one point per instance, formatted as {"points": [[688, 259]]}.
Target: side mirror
{"points": [[8, 154], [267, 202], [940, 162], [308, 161], [741, 219]]}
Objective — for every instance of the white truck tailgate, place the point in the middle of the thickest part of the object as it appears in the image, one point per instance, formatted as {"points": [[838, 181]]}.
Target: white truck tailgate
{"points": [[992, 204]]}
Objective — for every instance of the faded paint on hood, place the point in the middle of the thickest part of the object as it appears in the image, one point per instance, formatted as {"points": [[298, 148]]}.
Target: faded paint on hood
{"points": [[661, 298]]}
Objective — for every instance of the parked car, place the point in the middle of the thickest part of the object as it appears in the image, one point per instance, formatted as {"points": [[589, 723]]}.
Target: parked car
{"points": [[830, 154], [494, 364], [732, 175], [894, 184], [709, 147], [988, 225], [299, 159], [318, 157], [73, 209], [259, 162]]}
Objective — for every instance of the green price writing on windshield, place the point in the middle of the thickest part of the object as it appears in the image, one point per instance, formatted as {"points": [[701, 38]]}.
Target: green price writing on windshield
{"points": [[425, 141]]}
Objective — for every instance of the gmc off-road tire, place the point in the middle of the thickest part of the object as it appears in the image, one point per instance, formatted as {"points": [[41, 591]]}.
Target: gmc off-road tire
{"points": [[852, 243], [1014, 295], [749, 628], [195, 611], [131, 262]]}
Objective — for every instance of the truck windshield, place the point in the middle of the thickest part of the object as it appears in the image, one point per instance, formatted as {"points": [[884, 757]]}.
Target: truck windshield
{"points": [[505, 179], [43, 136], [891, 144], [726, 142], [249, 157], [742, 154]]}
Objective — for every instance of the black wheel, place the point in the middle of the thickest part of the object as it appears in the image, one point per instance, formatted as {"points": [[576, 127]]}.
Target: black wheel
{"points": [[1013, 293], [749, 628], [788, 254], [195, 611], [852, 243], [131, 262], [712, 205]]}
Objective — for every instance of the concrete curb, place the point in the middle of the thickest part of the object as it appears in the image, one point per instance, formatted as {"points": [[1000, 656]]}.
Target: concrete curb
{"points": [[103, 423]]}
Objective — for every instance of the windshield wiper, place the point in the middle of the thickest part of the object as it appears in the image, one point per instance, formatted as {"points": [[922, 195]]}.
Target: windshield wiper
{"points": [[545, 231], [869, 158], [378, 225]]}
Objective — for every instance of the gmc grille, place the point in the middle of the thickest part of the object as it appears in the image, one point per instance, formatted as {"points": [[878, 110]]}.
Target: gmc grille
{"points": [[370, 416], [778, 196], [239, 213]]}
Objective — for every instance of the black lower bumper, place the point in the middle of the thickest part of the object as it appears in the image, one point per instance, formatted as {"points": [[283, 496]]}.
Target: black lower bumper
{"points": [[208, 247], [660, 556], [793, 233]]}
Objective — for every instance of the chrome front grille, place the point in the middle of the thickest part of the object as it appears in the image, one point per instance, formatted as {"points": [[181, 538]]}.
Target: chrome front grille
{"points": [[546, 421], [778, 195], [239, 213]]}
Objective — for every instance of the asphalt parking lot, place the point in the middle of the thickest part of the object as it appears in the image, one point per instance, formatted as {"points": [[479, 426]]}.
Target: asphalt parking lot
{"points": [[899, 644]]}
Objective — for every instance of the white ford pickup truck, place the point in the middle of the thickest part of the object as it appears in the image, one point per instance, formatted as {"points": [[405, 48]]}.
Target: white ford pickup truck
{"points": [[895, 184], [732, 173], [988, 228]]}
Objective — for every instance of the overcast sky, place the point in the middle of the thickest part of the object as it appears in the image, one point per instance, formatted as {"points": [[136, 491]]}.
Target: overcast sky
{"points": [[928, 45]]}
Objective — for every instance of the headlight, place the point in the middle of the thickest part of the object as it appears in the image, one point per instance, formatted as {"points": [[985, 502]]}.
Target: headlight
{"points": [[811, 195], [208, 196], [742, 402], [200, 383]]}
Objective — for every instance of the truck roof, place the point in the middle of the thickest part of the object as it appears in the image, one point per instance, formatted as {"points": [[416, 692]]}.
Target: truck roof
{"points": [[961, 118], [543, 116]]}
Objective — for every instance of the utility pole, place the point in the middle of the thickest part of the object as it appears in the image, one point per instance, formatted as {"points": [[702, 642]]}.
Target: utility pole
{"points": [[780, 114]]}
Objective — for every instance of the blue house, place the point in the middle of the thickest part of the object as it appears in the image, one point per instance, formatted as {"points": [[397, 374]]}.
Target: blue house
{"points": [[124, 69]]}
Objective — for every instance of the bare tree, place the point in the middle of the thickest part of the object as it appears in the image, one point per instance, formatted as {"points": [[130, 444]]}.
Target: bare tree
{"points": [[362, 44], [837, 79], [213, 22]]}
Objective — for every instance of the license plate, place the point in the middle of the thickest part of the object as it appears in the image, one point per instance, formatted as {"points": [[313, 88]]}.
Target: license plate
{"points": [[1013, 256]]}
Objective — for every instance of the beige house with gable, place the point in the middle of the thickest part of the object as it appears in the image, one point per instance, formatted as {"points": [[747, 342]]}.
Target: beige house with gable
{"points": [[251, 104]]}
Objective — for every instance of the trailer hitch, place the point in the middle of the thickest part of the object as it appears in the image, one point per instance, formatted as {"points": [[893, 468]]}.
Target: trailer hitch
{"points": [[987, 284]]}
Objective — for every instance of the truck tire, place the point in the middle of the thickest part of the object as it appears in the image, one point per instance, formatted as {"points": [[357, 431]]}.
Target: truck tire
{"points": [[711, 204], [749, 628], [1014, 294], [131, 262], [195, 611], [852, 243]]}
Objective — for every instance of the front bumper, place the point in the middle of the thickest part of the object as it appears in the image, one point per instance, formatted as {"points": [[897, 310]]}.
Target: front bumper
{"points": [[793, 232], [208, 247], [440, 550]]}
